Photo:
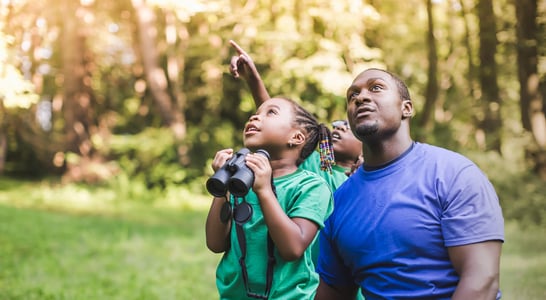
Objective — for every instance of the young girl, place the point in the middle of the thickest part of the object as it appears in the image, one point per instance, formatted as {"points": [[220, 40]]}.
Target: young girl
{"points": [[347, 148], [266, 238]]}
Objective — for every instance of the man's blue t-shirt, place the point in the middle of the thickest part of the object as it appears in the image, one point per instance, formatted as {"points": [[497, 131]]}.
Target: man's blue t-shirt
{"points": [[391, 227]]}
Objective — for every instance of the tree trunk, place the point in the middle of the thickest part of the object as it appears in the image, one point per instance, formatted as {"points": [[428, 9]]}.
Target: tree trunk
{"points": [[3, 139], [3, 122], [491, 122], [431, 94], [530, 98], [175, 70], [469, 52], [79, 101], [78, 97], [531, 102], [155, 76]]}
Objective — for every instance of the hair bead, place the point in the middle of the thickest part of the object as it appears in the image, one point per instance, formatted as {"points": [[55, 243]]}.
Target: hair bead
{"points": [[326, 150]]}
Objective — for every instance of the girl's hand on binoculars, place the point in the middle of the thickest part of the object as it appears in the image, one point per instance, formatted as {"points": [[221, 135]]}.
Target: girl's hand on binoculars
{"points": [[221, 158], [261, 167]]}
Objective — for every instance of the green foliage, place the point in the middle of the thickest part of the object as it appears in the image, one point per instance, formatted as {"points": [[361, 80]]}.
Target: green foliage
{"points": [[15, 90], [520, 192], [307, 50], [148, 158], [22, 160]]}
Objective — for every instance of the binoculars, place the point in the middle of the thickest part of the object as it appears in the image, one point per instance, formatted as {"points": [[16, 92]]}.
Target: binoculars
{"points": [[234, 176]]}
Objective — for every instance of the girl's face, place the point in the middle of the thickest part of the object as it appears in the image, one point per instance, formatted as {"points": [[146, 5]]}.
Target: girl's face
{"points": [[346, 145], [271, 127]]}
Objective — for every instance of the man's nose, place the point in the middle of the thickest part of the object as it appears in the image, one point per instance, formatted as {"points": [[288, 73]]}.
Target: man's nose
{"points": [[362, 97]]}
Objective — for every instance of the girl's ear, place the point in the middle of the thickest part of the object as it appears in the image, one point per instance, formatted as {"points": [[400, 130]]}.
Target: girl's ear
{"points": [[407, 109], [298, 138]]}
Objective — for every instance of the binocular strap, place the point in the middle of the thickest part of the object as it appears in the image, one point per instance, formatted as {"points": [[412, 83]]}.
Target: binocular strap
{"points": [[242, 244]]}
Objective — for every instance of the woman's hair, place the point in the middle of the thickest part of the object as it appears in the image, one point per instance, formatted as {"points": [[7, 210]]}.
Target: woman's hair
{"points": [[317, 134]]}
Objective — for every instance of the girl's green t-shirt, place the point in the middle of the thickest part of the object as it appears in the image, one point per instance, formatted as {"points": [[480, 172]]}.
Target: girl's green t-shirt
{"points": [[301, 194]]}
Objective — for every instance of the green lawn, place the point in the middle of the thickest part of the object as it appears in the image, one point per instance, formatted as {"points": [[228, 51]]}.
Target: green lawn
{"points": [[55, 247], [523, 263], [52, 255]]}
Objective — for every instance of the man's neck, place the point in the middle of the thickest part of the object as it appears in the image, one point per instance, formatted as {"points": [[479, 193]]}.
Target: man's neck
{"points": [[378, 154]]}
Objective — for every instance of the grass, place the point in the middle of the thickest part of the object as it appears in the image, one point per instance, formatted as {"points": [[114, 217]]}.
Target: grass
{"points": [[54, 255], [75, 242], [78, 242], [523, 263]]}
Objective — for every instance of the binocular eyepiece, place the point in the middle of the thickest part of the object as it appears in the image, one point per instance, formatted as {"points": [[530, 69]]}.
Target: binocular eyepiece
{"points": [[234, 176]]}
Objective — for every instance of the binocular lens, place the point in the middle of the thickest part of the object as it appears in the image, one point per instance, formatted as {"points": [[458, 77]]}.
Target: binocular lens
{"points": [[238, 187], [241, 182], [216, 187]]}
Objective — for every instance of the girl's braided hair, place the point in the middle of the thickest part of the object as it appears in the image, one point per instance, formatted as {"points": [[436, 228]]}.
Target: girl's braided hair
{"points": [[317, 134]]}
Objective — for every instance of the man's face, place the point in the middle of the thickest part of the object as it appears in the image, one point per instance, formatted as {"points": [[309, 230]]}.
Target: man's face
{"points": [[374, 106], [346, 145]]}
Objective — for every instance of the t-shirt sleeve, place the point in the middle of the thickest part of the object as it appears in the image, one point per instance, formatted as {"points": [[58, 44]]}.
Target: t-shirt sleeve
{"points": [[313, 200], [330, 266], [472, 212]]}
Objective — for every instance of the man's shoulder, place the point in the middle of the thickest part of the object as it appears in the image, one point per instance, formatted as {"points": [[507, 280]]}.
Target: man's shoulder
{"points": [[446, 162], [440, 153]]}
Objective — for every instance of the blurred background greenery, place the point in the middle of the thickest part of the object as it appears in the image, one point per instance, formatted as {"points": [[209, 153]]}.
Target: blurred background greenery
{"points": [[110, 105]]}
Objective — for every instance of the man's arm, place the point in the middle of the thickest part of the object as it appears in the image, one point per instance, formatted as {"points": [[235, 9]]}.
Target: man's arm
{"points": [[478, 267], [243, 66]]}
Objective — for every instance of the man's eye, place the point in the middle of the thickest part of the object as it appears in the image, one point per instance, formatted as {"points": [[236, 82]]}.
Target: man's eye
{"points": [[352, 95], [376, 88]]}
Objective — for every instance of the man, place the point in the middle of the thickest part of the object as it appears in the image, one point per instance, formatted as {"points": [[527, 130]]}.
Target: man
{"points": [[415, 221]]}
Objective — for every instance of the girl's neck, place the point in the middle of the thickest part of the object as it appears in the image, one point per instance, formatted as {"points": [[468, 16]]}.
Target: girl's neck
{"points": [[281, 167], [347, 164]]}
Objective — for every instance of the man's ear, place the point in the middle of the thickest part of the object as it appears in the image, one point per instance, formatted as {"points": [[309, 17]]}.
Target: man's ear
{"points": [[407, 109], [297, 138]]}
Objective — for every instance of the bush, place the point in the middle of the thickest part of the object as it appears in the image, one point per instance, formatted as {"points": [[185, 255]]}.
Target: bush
{"points": [[149, 157]]}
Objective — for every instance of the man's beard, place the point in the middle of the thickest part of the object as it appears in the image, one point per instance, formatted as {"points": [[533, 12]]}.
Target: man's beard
{"points": [[366, 130]]}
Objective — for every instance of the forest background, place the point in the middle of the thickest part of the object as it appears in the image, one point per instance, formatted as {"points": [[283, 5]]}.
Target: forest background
{"points": [[134, 97], [137, 95]]}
